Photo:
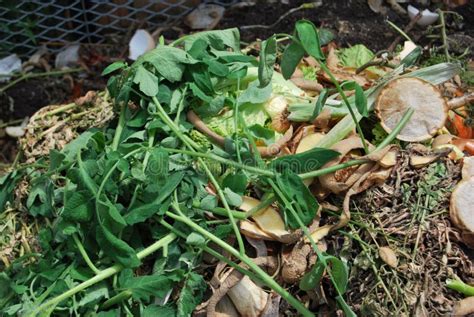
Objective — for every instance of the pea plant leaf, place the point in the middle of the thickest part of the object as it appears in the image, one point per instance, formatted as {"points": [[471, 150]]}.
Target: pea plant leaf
{"points": [[148, 81], [267, 60], [116, 248], [323, 96], [142, 287], [113, 67], [300, 198], [309, 37], [304, 162], [191, 294], [339, 273], [292, 56]]}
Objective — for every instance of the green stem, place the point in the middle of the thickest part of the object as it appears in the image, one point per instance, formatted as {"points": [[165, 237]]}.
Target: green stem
{"points": [[346, 102], [320, 256], [212, 252], [124, 295], [390, 137], [194, 147], [222, 212], [84, 254], [102, 275], [36, 75], [261, 274], [460, 286], [119, 129], [222, 160]]}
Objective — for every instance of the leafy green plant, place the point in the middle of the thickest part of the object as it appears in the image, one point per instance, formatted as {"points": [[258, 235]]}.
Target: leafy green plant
{"points": [[115, 196]]}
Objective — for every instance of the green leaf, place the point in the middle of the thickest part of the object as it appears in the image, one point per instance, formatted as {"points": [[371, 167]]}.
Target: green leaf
{"points": [[254, 94], [217, 68], [110, 215], [78, 207], [154, 311], [323, 96], [81, 142], [232, 198], [219, 39], [292, 56], [355, 56], [158, 165], [212, 108], [115, 248], [301, 199], [304, 162], [339, 273], [168, 61], [113, 67], [191, 294], [94, 294], [147, 81], [209, 202], [309, 37], [312, 279], [142, 287], [236, 181], [361, 101], [56, 158], [195, 239], [141, 212], [412, 57], [268, 53], [325, 36], [8, 183], [261, 133]]}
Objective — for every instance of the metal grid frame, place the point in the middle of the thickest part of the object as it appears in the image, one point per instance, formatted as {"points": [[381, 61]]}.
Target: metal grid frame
{"points": [[26, 25]]}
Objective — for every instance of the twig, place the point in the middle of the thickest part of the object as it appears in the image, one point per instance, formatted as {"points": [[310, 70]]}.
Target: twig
{"points": [[402, 33], [36, 75], [310, 5], [10, 123], [406, 30]]}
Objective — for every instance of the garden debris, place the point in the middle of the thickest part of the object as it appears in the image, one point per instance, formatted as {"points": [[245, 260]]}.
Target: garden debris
{"points": [[418, 161], [55, 126], [8, 66], [205, 16], [268, 223], [247, 298], [464, 307], [427, 17], [17, 131], [388, 256], [140, 43], [410, 204], [404, 93], [68, 57]]}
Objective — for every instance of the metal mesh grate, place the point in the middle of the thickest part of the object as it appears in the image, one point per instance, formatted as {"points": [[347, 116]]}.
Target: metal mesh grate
{"points": [[26, 25]]}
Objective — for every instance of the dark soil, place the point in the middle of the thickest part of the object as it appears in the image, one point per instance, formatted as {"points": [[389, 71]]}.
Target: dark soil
{"points": [[352, 21]]}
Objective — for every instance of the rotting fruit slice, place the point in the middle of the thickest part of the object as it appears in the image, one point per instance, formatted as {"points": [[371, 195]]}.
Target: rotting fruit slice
{"points": [[431, 110]]}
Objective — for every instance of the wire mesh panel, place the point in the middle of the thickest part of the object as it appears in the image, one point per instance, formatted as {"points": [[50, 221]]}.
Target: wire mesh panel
{"points": [[26, 25]]}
